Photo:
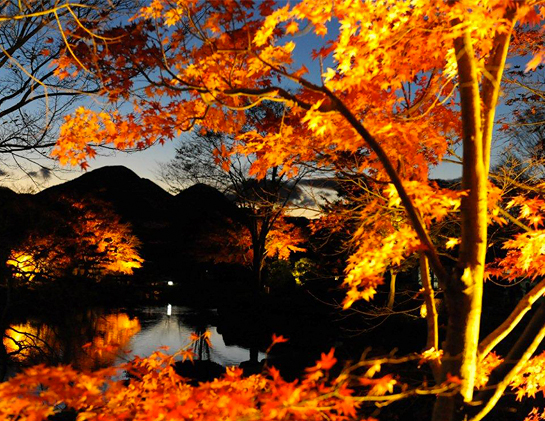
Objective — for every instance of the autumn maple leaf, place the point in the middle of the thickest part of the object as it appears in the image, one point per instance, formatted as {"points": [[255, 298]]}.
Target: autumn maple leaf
{"points": [[326, 362], [380, 386], [278, 339]]}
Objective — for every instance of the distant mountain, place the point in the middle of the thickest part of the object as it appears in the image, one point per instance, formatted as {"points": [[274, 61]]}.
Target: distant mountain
{"points": [[136, 199], [168, 226], [200, 210], [201, 200], [6, 194]]}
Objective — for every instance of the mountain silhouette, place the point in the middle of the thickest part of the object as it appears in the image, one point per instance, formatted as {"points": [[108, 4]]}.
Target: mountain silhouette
{"points": [[166, 225], [201, 200], [6, 194], [133, 197]]}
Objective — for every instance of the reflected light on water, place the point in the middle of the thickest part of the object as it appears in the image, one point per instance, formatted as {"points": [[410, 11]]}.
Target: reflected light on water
{"points": [[24, 263], [92, 339], [21, 340], [104, 338], [174, 332], [114, 332]]}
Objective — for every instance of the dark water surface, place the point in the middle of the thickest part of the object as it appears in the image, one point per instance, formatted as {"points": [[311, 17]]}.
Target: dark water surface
{"points": [[96, 338]]}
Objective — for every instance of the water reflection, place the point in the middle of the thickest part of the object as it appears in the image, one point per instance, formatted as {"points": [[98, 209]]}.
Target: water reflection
{"points": [[93, 344], [174, 331], [97, 338]]}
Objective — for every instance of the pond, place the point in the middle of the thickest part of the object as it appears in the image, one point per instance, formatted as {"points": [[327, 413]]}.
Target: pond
{"points": [[97, 338]]}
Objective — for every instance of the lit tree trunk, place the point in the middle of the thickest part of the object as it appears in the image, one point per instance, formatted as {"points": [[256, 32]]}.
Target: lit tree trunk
{"points": [[392, 292], [520, 353], [463, 292], [431, 313]]}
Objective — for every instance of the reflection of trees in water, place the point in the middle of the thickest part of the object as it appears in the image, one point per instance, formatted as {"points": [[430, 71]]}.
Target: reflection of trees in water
{"points": [[87, 340], [199, 323], [26, 343], [201, 347]]}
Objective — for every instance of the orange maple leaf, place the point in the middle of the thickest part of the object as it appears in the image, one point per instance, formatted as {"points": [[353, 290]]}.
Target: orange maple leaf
{"points": [[278, 339], [326, 362]]}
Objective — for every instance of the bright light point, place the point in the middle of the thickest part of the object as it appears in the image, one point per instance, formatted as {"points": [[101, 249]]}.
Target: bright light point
{"points": [[170, 283], [169, 310]]}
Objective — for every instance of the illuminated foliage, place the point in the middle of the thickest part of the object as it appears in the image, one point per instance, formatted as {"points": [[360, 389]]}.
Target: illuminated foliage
{"points": [[21, 340], [89, 240], [234, 244], [403, 82], [25, 265], [155, 391]]}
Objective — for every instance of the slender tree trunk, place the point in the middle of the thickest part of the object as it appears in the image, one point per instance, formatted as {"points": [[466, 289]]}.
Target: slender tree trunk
{"points": [[256, 229], [431, 314], [464, 291], [392, 292], [512, 321], [259, 239], [257, 268], [254, 354]]}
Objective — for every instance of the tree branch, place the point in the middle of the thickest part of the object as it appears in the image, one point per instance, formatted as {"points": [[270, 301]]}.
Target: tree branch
{"points": [[495, 337], [492, 81], [519, 355], [412, 212]]}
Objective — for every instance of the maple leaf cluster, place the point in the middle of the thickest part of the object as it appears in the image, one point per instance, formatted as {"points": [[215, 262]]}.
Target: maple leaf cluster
{"points": [[284, 239], [486, 366], [154, 391], [384, 238], [90, 240], [234, 244], [531, 378], [525, 257]]}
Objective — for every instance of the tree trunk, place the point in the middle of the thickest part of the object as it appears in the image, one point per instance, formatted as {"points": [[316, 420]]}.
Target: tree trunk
{"points": [[254, 354], [257, 269], [258, 245], [463, 292], [392, 292]]}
